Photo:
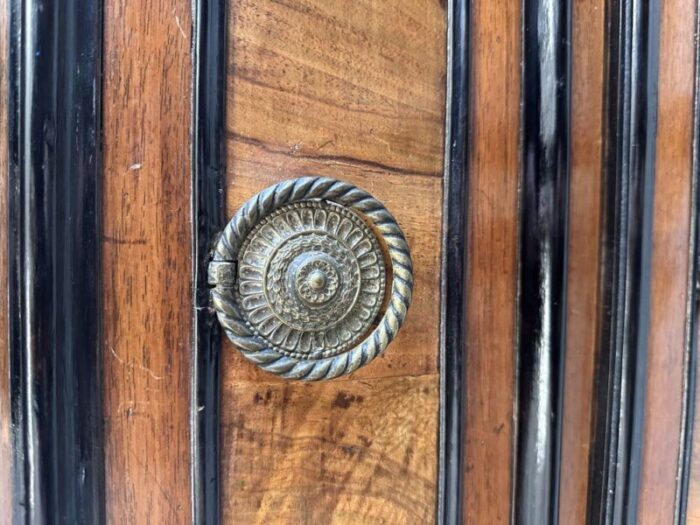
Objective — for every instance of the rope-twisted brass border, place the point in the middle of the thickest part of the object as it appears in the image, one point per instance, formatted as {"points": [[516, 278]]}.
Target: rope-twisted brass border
{"points": [[269, 200]]}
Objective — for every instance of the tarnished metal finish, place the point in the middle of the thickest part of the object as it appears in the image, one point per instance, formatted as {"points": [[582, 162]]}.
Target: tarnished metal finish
{"points": [[311, 279], [299, 278]]}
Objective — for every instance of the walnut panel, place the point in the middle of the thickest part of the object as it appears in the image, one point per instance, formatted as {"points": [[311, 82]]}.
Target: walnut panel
{"points": [[357, 83], [146, 260], [353, 91], [334, 452], [671, 233], [493, 232], [583, 264]]}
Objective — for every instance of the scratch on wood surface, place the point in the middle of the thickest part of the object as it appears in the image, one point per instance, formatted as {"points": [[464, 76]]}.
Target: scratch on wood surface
{"points": [[177, 21], [134, 365]]}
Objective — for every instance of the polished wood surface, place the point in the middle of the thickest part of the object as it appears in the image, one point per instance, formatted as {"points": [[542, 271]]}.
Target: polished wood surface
{"points": [[356, 91], [583, 259], [353, 91], [671, 229], [146, 260], [358, 451], [5, 445], [493, 230]]}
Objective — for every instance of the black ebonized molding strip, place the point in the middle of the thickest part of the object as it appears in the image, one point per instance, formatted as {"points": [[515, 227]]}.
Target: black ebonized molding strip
{"points": [[628, 185], [208, 172], [54, 260], [455, 194], [544, 210], [691, 330]]}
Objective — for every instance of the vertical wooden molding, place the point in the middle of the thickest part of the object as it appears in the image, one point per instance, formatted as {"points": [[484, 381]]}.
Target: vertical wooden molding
{"points": [[494, 117], [588, 54], [453, 350], [208, 174], [544, 196], [666, 382], [146, 260], [5, 418], [53, 249], [629, 166], [693, 298], [678, 150]]}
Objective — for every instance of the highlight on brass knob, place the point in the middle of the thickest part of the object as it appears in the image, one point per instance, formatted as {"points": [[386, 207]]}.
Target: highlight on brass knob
{"points": [[300, 283]]}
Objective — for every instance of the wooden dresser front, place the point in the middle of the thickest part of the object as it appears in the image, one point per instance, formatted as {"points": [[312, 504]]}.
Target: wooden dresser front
{"points": [[538, 158]]}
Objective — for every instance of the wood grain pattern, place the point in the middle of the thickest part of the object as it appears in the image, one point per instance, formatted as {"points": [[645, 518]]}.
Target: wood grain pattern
{"points": [[5, 421], [493, 231], [671, 233], [146, 260], [352, 91], [335, 452], [583, 264]]}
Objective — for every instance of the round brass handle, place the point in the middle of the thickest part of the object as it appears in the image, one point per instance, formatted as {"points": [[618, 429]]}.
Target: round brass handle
{"points": [[298, 278]]}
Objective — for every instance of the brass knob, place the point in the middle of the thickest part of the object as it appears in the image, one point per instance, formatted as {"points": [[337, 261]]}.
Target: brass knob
{"points": [[299, 278]]}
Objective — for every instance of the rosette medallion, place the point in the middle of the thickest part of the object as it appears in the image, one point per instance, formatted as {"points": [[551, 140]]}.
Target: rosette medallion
{"points": [[300, 280]]}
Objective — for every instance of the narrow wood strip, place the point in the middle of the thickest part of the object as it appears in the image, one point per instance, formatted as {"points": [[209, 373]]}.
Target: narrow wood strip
{"points": [[630, 134], [54, 314], [146, 250], [492, 270], [673, 355], [689, 489], [544, 213], [588, 30], [663, 422]]}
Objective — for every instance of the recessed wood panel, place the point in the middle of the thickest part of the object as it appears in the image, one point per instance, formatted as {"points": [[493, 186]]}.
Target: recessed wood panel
{"points": [[493, 229], [146, 264], [588, 61], [671, 235], [353, 91]]}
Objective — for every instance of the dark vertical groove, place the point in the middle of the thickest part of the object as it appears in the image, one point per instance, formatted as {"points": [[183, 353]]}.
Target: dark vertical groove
{"points": [[208, 172], [630, 135], [691, 331], [544, 189], [54, 260], [455, 252]]}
